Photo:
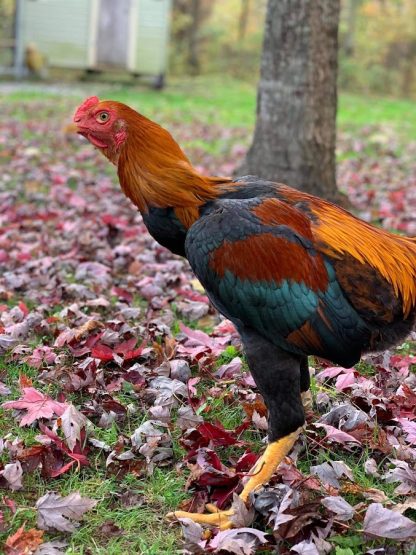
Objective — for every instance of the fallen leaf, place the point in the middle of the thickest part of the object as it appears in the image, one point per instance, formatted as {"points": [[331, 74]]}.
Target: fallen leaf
{"points": [[242, 516], [410, 429], [370, 467], [241, 541], [193, 533], [102, 352], [109, 529], [305, 548], [13, 474], [338, 505], [72, 422], [403, 507], [37, 406], [384, 523], [373, 494], [57, 513], [216, 434], [89, 326], [329, 473], [405, 475], [334, 434], [23, 542], [4, 390], [56, 547], [187, 418]]}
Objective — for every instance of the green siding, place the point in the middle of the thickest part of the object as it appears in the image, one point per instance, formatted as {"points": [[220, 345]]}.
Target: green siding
{"points": [[152, 36], [60, 29]]}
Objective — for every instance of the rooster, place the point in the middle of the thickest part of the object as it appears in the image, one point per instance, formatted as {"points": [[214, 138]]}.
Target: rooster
{"points": [[297, 275]]}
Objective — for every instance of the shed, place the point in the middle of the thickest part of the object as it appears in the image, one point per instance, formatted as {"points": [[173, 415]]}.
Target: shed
{"points": [[98, 34]]}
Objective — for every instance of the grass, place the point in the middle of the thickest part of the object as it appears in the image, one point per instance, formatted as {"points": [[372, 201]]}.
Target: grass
{"points": [[359, 111], [218, 102], [226, 102], [144, 528]]}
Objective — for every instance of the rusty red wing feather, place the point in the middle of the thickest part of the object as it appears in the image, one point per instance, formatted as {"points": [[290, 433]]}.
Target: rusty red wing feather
{"points": [[266, 257]]}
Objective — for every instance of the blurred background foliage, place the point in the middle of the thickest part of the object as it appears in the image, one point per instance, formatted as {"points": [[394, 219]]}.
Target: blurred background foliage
{"points": [[217, 36], [377, 42], [6, 31], [378, 47]]}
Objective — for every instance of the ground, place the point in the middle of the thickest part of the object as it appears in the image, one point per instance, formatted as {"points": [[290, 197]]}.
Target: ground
{"points": [[135, 394]]}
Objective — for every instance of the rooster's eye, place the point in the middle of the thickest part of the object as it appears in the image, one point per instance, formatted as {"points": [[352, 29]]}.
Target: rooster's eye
{"points": [[103, 117]]}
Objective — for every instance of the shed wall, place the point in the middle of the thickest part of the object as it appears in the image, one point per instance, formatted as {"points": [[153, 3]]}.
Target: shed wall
{"points": [[60, 29]]}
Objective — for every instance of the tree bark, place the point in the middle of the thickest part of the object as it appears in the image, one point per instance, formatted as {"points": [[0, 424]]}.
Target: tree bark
{"points": [[294, 138], [349, 43], [193, 58], [243, 19]]}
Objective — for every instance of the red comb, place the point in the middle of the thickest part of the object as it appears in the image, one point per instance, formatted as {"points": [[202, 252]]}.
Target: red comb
{"points": [[85, 106]]}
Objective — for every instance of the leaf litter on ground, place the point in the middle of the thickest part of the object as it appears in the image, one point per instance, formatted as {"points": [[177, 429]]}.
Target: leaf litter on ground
{"points": [[106, 327]]}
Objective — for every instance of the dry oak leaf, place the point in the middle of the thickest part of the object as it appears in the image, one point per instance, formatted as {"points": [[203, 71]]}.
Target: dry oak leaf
{"points": [[23, 542], [56, 512], [37, 405]]}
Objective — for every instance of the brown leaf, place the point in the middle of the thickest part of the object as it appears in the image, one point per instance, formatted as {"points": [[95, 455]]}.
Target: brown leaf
{"points": [[86, 328], [260, 422], [302, 517], [24, 381], [110, 530], [403, 507], [24, 542], [372, 494], [255, 406], [366, 435]]}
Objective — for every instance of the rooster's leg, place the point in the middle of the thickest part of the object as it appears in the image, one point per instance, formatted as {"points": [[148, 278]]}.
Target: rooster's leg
{"points": [[260, 474], [280, 379], [305, 382]]}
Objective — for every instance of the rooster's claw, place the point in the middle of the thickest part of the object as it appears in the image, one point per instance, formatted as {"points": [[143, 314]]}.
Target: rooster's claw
{"points": [[216, 518]]}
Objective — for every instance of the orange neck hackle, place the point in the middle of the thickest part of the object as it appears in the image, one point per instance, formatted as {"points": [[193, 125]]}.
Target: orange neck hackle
{"points": [[155, 172]]}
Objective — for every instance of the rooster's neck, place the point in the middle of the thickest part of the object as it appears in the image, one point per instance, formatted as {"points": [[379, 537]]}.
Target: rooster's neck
{"points": [[156, 173]]}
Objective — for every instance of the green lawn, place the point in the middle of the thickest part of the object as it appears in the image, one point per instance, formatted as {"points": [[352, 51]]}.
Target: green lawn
{"points": [[227, 102]]}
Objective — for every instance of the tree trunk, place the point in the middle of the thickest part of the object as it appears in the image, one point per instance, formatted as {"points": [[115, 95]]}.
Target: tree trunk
{"points": [[193, 58], [349, 43], [294, 139], [243, 19]]}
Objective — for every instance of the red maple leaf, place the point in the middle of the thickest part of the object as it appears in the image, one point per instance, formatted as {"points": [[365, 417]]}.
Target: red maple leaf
{"points": [[103, 352], [37, 405], [78, 455]]}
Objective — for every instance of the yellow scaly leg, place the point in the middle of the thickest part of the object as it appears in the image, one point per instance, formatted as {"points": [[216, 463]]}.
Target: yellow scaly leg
{"points": [[261, 473]]}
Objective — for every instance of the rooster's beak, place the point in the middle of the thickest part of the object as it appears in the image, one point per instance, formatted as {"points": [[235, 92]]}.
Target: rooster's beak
{"points": [[71, 129]]}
